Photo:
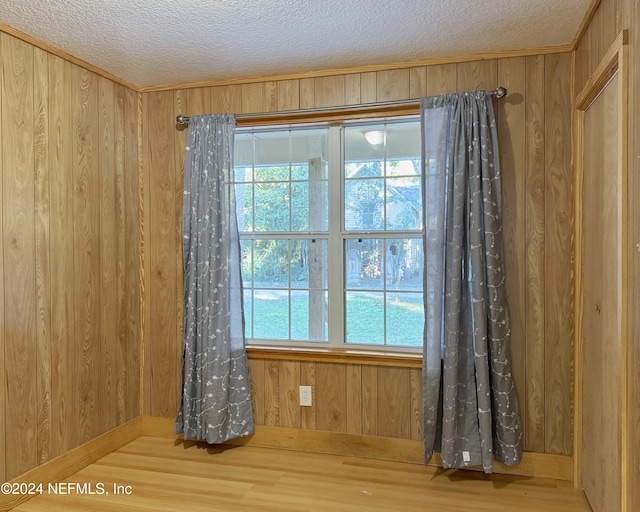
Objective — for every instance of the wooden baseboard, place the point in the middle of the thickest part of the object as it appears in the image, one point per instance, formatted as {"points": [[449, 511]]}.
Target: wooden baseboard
{"points": [[71, 462], [539, 465]]}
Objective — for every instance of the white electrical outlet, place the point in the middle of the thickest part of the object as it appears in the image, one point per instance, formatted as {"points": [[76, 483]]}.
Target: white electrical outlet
{"points": [[305, 396]]}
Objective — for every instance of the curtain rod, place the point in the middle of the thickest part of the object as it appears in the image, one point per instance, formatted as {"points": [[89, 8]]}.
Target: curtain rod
{"points": [[500, 92]]}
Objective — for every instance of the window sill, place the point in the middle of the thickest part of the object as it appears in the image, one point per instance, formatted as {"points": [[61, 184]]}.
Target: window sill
{"points": [[374, 358]]}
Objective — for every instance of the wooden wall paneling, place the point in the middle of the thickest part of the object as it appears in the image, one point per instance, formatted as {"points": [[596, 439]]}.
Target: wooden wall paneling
{"points": [[133, 267], [226, 99], [307, 93], [108, 257], [42, 255], [418, 82], [147, 242], [308, 378], [581, 67], [331, 397], [416, 403], [120, 248], [558, 247], [595, 34], [477, 75], [394, 402], [370, 400], [368, 87], [288, 92], [20, 440], [270, 95], [610, 28], [3, 455], [329, 91], [256, 373], [252, 98], [63, 395], [534, 235], [197, 102], [271, 393], [393, 84], [86, 241], [354, 398], [180, 104], [162, 239], [511, 133], [352, 89], [288, 392], [442, 79]]}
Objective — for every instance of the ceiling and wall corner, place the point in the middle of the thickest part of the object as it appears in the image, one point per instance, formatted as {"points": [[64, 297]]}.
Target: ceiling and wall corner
{"points": [[164, 42]]}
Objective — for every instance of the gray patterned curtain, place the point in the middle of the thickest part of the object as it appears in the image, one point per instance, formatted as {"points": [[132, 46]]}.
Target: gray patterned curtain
{"points": [[216, 393], [470, 405]]}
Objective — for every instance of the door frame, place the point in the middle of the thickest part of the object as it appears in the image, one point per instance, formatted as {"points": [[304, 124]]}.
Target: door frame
{"points": [[614, 61]]}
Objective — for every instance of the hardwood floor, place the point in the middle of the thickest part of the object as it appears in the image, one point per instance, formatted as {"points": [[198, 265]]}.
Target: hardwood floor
{"points": [[160, 474]]}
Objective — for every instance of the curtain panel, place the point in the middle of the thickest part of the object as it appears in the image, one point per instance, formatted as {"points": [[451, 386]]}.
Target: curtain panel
{"points": [[216, 392], [470, 405]]}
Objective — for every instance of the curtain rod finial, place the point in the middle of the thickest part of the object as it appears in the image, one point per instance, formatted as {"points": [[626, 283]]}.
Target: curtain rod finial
{"points": [[500, 92], [182, 119]]}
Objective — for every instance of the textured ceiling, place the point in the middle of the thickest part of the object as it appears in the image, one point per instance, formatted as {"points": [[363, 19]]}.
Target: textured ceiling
{"points": [[164, 42]]}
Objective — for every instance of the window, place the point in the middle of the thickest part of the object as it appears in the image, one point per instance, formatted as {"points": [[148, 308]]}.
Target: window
{"points": [[330, 223]]}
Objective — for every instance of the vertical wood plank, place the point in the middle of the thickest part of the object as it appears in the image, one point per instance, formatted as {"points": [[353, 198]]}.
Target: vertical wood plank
{"points": [[20, 354], [354, 398], [108, 254], [442, 79], [368, 85], [535, 255], [416, 403], [252, 98], [226, 99], [63, 395], [289, 388], [288, 95], [119, 120], [418, 82], [558, 235], [43, 265], [145, 259], [256, 372], [331, 397], [180, 104], [394, 402], [197, 102], [308, 378], [511, 134], [392, 84], [329, 91], [162, 285], [307, 93], [595, 36], [270, 95], [581, 70], [480, 74], [609, 31], [133, 266], [3, 449], [370, 400], [20, 440], [271, 393], [352, 89], [86, 241]]}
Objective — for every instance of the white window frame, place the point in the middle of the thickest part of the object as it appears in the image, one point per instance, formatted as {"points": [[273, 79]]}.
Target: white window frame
{"points": [[335, 236]]}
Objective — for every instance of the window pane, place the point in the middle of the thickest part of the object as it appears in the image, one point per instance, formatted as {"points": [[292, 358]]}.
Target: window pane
{"points": [[364, 144], [272, 155], [271, 313], [309, 154], [271, 263], [364, 317], [309, 315], [309, 264], [243, 155], [247, 305], [271, 207], [404, 264], [364, 205], [404, 203], [364, 265], [403, 141], [405, 319], [244, 206]]}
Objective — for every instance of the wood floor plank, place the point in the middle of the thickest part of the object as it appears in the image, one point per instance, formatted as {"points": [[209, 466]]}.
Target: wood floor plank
{"points": [[166, 475]]}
